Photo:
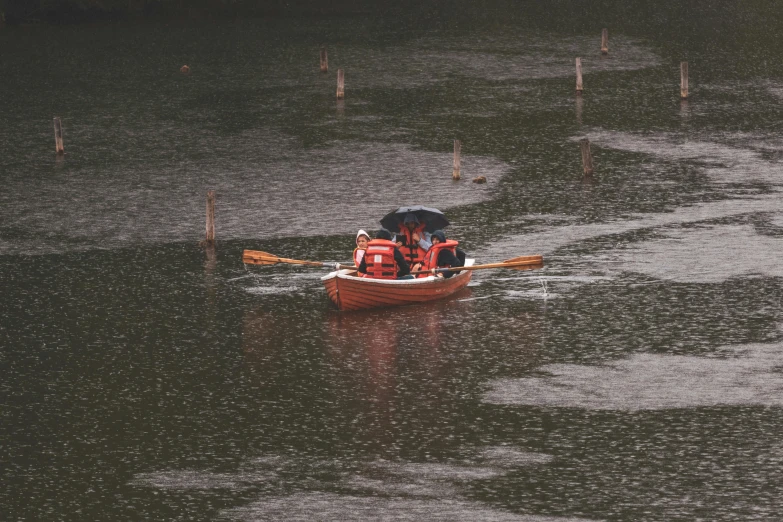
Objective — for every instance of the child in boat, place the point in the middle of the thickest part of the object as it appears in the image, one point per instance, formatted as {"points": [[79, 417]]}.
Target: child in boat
{"points": [[362, 238], [447, 256]]}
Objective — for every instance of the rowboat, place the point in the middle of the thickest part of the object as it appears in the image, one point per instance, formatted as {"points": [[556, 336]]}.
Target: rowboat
{"points": [[349, 292]]}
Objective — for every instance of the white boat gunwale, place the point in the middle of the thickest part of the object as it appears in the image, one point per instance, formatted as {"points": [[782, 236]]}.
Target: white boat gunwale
{"points": [[343, 274]]}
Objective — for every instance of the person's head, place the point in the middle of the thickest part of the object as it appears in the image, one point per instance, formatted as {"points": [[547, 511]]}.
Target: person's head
{"points": [[410, 221], [383, 234], [362, 238], [438, 237]]}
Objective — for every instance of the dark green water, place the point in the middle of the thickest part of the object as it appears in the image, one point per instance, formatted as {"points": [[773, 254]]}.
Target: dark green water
{"points": [[636, 377]]}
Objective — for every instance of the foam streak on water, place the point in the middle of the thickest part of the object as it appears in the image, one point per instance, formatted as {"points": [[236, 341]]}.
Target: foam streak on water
{"points": [[401, 490], [302, 507], [706, 255], [740, 158], [547, 240], [744, 376]]}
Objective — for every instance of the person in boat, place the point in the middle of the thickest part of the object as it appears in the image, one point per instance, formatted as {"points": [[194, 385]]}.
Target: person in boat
{"points": [[362, 238], [413, 240], [443, 254], [383, 260]]}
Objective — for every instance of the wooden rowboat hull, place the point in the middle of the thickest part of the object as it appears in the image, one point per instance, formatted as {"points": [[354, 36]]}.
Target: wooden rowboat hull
{"points": [[349, 292]]}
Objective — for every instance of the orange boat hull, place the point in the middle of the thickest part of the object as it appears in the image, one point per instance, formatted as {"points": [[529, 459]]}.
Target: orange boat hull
{"points": [[348, 292]]}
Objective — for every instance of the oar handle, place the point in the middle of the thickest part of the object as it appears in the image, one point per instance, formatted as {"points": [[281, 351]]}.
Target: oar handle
{"points": [[532, 261], [339, 266], [443, 270], [334, 266], [436, 270]]}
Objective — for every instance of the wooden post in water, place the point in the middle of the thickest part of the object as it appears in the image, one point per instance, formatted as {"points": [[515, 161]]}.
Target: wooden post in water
{"points": [[340, 84], [683, 80], [587, 158], [58, 137], [457, 148], [210, 238], [578, 76], [605, 41], [324, 60]]}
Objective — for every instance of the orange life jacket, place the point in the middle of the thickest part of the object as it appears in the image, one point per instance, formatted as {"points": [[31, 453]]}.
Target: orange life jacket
{"points": [[431, 259], [357, 259], [379, 258], [410, 249]]}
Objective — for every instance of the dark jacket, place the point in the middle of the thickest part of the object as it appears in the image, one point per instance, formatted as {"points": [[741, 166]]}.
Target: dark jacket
{"points": [[402, 266], [447, 258]]}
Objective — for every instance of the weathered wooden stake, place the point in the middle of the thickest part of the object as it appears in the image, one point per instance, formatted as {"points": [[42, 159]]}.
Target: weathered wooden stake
{"points": [[210, 239], [340, 84], [587, 158], [605, 41], [324, 60], [683, 80], [457, 149], [58, 137], [578, 76]]}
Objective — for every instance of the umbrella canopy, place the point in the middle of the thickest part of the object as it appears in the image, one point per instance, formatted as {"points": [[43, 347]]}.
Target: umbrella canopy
{"points": [[431, 217]]}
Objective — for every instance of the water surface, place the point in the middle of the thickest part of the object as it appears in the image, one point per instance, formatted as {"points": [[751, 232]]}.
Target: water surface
{"points": [[635, 377]]}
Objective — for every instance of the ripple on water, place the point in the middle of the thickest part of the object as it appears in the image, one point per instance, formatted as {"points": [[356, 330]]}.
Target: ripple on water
{"points": [[747, 375], [201, 480], [277, 284], [272, 290], [507, 456], [330, 506], [777, 221]]}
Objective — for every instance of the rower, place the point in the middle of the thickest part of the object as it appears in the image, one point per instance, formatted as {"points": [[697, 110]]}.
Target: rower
{"points": [[383, 260], [442, 254]]}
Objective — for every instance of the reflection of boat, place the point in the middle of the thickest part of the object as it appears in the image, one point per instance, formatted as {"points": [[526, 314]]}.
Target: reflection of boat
{"points": [[349, 292]]}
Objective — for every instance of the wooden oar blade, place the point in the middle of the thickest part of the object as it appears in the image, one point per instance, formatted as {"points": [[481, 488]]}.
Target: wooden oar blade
{"points": [[527, 267], [256, 257], [525, 262], [522, 259]]}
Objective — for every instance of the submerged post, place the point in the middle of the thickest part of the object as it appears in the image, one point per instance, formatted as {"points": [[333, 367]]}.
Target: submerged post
{"points": [[457, 148], [578, 76], [605, 41], [324, 60], [587, 158], [210, 238], [340, 84], [58, 137], [683, 80]]}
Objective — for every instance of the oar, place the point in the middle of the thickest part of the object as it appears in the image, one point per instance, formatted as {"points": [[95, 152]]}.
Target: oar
{"points": [[256, 257], [517, 263]]}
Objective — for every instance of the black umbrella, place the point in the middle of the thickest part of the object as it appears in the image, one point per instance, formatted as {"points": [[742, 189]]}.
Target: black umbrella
{"points": [[431, 217]]}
